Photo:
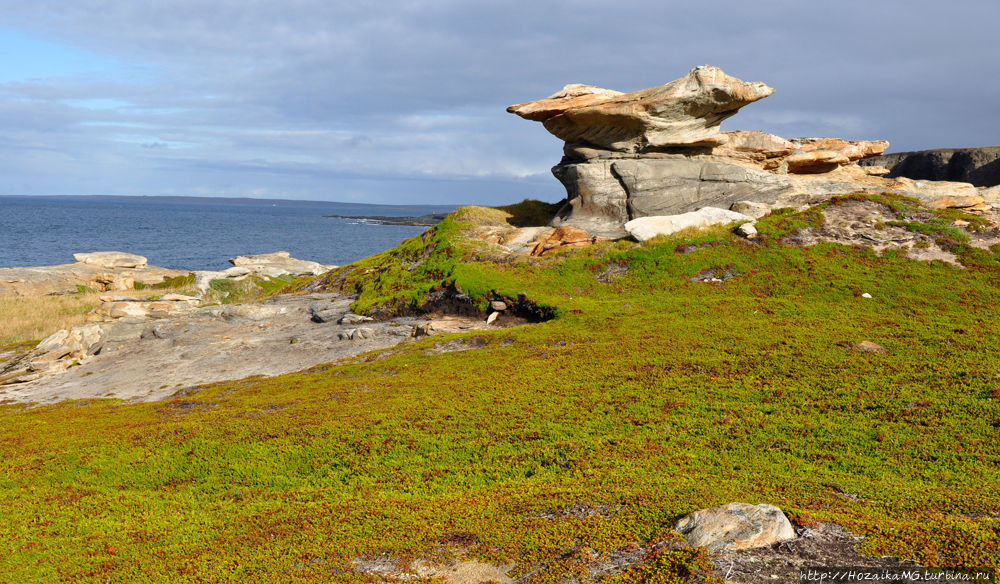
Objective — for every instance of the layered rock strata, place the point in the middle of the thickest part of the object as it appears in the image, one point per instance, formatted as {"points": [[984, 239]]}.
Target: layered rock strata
{"points": [[101, 271], [660, 152]]}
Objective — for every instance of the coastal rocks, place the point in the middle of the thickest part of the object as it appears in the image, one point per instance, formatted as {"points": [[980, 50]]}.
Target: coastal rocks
{"points": [[271, 265], [686, 112], [55, 354], [660, 152], [91, 272], [115, 307], [111, 259], [941, 195], [978, 166], [279, 264], [735, 526], [817, 155], [646, 228]]}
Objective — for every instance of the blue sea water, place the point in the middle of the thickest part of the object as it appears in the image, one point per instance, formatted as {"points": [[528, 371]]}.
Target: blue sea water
{"points": [[38, 231]]}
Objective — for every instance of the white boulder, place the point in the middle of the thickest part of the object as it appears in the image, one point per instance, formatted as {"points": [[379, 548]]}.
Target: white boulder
{"points": [[646, 228]]}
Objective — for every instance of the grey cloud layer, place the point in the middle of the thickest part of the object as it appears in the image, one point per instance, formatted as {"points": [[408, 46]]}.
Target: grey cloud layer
{"points": [[404, 101]]}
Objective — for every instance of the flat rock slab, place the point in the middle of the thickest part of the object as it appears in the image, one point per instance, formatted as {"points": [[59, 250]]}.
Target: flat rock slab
{"points": [[64, 279], [111, 259], [149, 359]]}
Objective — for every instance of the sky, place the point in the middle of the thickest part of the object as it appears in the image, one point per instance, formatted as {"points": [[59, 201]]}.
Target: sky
{"points": [[403, 102]]}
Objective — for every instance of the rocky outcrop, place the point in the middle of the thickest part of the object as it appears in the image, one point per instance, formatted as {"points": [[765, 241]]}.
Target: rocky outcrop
{"points": [[978, 166], [271, 265], [735, 526], [100, 271], [686, 112], [279, 263], [111, 259], [659, 152]]}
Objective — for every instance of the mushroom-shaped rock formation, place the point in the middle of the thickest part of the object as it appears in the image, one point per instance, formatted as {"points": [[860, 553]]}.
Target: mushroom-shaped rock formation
{"points": [[683, 113]]}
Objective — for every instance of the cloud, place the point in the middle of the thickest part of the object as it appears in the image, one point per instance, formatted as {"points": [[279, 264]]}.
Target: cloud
{"points": [[404, 101]]}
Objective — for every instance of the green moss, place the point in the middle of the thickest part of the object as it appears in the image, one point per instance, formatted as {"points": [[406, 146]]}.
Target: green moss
{"points": [[251, 288], [175, 282]]}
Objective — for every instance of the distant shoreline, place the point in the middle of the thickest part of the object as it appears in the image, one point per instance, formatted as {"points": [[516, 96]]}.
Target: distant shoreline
{"points": [[429, 220], [245, 201]]}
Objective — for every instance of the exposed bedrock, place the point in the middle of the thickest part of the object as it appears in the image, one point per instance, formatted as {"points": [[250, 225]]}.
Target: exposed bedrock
{"points": [[606, 194], [979, 166]]}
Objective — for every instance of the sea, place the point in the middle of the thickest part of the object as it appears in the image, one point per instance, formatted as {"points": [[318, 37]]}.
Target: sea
{"points": [[195, 234]]}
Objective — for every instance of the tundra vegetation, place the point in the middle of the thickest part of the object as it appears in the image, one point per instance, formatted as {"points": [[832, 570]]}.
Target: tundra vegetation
{"points": [[677, 374]]}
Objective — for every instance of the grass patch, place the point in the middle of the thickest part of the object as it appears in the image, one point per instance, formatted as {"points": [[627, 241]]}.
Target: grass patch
{"points": [[173, 284], [651, 395], [34, 318], [250, 289]]}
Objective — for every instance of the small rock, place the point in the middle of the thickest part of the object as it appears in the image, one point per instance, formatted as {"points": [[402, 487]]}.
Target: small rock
{"points": [[866, 295], [960, 223], [736, 526], [422, 331], [747, 230], [498, 305], [493, 316], [320, 314], [751, 209], [363, 334], [354, 319], [870, 347]]}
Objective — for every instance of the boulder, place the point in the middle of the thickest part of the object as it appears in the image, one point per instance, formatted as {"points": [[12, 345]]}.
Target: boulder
{"points": [[321, 314], [736, 526], [747, 230], [647, 228], [111, 259], [685, 112], [67, 278]]}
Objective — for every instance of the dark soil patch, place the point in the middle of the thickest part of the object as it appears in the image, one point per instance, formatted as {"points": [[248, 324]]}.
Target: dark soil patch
{"points": [[823, 544]]}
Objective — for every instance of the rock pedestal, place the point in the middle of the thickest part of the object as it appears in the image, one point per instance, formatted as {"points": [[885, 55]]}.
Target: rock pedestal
{"points": [[660, 152]]}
